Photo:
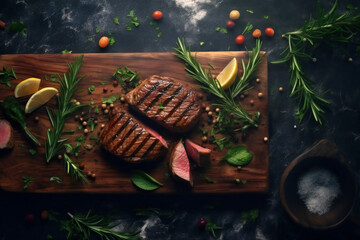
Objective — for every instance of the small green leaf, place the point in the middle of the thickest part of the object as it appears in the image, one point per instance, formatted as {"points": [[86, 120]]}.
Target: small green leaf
{"points": [[27, 181], [18, 27], [111, 41], [144, 181], [32, 151], [153, 23], [217, 29], [238, 156], [266, 17], [201, 43], [110, 100], [91, 89], [104, 83], [250, 11], [209, 180], [116, 20], [66, 51], [90, 39], [250, 215], [159, 34], [55, 179], [97, 30], [96, 110], [160, 105]]}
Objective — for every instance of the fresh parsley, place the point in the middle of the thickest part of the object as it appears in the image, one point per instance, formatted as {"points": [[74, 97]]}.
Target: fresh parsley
{"points": [[160, 105], [116, 20], [66, 51], [27, 181], [266, 17], [6, 75], [134, 21], [144, 181], [209, 180], [32, 151], [202, 43], [238, 156], [90, 39], [18, 27], [250, 215], [97, 30], [91, 89], [222, 30], [110, 100], [126, 77], [250, 11]]}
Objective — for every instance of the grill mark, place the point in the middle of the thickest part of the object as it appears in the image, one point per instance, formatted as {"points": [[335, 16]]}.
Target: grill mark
{"points": [[158, 97], [184, 113], [177, 105], [133, 141], [168, 100], [119, 131], [148, 93], [118, 118], [125, 137], [150, 148], [141, 145]]}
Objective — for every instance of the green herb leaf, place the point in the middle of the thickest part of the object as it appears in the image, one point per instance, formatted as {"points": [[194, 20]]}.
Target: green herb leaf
{"points": [[97, 30], [247, 28], [32, 151], [56, 179], [91, 89], [238, 156], [104, 83], [153, 23], [66, 51], [96, 110], [126, 77], [116, 20], [111, 40], [134, 21], [159, 34], [209, 180], [110, 100], [18, 27], [250, 215], [250, 11], [144, 181], [211, 227], [6, 75], [217, 29], [90, 39], [160, 105], [27, 181], [266, 17]]}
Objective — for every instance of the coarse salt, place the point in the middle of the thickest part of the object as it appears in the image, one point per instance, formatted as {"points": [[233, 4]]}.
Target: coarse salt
{"points": [[318, 188]]}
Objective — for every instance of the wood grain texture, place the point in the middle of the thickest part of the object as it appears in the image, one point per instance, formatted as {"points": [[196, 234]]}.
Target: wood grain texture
{"points": [[113, 176]]}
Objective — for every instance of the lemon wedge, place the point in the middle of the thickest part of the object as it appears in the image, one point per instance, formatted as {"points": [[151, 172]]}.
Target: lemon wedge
{"points": [[228, 75], [27, 87], [39, 98]]}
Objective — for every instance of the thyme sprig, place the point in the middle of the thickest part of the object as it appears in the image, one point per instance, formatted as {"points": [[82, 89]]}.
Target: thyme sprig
{"points": [[225, 100], [81, 227], [326, 27], [54, 143]]}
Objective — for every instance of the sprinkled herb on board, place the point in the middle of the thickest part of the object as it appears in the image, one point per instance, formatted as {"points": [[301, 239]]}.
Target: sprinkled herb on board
{"points": [[55, 179], [6, 75], [247, 28], [110, 100], [250, 215], [27, 181], [66, 51], [18, 27], [134, 21], [116, 20]]}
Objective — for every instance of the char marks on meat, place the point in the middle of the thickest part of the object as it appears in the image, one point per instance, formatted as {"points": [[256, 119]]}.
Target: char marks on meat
{"points": [[167, 102], [126, 137]]}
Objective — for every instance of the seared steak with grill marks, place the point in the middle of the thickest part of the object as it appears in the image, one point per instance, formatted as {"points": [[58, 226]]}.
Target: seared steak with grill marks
{"points": [[126, 137], [167, 102]]}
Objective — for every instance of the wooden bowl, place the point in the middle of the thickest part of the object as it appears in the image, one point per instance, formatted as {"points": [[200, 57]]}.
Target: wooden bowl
{"points": [[323, 154]]}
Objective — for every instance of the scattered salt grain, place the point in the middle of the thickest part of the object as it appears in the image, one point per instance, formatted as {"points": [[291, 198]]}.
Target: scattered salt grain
{"points": [[318, 188]]}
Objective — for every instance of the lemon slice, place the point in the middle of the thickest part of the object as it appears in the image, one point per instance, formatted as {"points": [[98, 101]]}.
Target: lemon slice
{"points": [[39, 98], [228, 75], [27, 87]]}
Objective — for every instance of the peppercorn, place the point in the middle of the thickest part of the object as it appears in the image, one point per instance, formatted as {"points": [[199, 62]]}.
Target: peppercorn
{"points": [[60, 157], [84, 123], [252, 102], [86, 131], [350, 59], [77, 103], [93, 176], [215, 120], [204, 139], [115, 83], [239, 168], [106, 111], [260, 94], [203, 105], [81, 119], [44, 215], [210, 113], [207, 108], [36, 118], [281, 89], [57, 94], [89, 174], [103, 106], [102, 125], [95, 122], [105, 89], [77, 116], [266, 139], [111, 105], [242, 96], [122, 99], [82, 165], [217, 110], [257, 80], [68, 151], [200, 95]]}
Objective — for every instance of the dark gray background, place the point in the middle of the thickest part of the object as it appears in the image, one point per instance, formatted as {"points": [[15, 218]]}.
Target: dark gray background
{"points": [[53, 26]]}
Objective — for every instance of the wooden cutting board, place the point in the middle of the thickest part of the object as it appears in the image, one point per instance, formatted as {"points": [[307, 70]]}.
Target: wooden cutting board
{"points": [[112, 176]]}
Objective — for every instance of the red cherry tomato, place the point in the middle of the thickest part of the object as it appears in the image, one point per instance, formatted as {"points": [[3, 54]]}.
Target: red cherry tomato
{"points": [[269, 32], [157, 15], [103, 42], [230, 24], [240, 39]]}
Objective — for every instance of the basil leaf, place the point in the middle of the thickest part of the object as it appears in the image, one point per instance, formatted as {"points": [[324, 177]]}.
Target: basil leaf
{"points": [[238, 156], [144, 181]]}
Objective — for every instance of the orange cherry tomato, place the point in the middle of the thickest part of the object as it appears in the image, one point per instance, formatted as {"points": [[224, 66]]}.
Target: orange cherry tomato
{"points": [[256, 33], [269, 32], [157, 15], [103, 42], [240, 39]]}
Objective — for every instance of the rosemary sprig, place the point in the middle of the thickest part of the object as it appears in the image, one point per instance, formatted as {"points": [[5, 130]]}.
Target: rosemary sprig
{"points": [[54, 143], [81, 227], [329, 27], [72, 169], [210, 84]]}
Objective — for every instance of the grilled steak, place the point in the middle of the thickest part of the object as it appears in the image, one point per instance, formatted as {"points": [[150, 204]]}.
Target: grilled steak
{"points": [[167, 102], [179, 163], [126, 137]]}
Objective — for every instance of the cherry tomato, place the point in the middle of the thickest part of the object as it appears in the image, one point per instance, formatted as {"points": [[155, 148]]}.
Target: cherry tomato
{"points": [[234, 15], [230, 24], [269, 32], [103, 42], [157, 15], [240, 39], [201, 222], [256, 33]]}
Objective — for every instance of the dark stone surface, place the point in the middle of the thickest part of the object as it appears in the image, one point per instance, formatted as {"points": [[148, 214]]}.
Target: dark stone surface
{"points": [[53, 26]]}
